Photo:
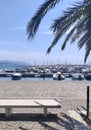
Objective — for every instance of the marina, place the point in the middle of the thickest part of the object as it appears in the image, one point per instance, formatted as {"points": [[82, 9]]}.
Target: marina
{"points": [[47, 72]]}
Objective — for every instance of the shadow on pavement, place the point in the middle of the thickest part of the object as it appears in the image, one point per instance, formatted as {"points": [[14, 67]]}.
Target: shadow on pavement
{"points": [[51, 122], [84, 116], [28, 117]]}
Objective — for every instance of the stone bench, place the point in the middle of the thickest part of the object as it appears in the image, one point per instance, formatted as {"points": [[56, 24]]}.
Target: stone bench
{"points": [[8, 104]]}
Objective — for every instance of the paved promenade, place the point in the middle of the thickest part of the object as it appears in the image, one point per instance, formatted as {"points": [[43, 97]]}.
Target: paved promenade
{"points": [[72, 95]]}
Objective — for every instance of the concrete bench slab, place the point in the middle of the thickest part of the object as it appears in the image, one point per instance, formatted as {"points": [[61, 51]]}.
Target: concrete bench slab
{"points": [[8, 104]]}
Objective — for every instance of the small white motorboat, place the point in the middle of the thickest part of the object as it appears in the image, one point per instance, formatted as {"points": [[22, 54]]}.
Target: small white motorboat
{"points": [[58, 76], [16, 76], [77, 76]]}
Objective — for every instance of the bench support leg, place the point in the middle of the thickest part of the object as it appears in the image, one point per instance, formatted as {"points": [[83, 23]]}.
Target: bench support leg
{"points": [[8, 112], [45, 112]]}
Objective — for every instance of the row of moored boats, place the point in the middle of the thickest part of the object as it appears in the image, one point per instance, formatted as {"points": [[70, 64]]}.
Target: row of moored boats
{"points": [[59, 76]]}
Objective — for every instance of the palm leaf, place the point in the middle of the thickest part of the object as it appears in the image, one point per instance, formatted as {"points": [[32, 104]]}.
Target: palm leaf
{"points": [[64, 23], [78, 15], [58, 36], [88, 49], [33, 24], [80, 28], [83, 40], [70, 15], [68, 37]]}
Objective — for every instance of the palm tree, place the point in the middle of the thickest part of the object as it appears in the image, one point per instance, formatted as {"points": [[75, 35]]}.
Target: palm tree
{"points": [[76, 18]]}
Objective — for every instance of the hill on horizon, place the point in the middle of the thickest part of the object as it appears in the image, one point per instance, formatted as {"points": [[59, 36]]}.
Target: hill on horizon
{"points": [[12, 64]]}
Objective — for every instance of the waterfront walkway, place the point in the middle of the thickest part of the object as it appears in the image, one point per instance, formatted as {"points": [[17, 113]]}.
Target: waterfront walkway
{"points": [[72, 95]]}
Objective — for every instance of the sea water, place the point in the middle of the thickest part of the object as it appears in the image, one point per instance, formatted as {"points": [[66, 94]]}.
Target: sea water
{"points": [[31, 79]]}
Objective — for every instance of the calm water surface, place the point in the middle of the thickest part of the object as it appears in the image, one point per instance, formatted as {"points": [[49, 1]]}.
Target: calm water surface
{"points": [[34, 79]]}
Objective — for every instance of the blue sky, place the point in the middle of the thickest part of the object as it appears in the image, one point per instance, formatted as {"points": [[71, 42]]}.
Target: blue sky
{"points": [[14, 45]]}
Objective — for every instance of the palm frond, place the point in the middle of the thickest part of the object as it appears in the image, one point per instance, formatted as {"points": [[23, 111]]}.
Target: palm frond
{"points": [[64, 23], [83, 40], [81, 28], [34, 23], [68, 37], [59, 34], [88, 49], [70, 15], [78, 17], [84, 28], [88, 43]]}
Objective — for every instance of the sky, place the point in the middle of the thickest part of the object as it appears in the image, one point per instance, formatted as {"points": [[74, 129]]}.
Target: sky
{"points": [[14, 44]]}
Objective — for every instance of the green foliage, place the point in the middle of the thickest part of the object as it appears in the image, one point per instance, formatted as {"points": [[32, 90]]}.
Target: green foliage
{"points": [[77, 19]]}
